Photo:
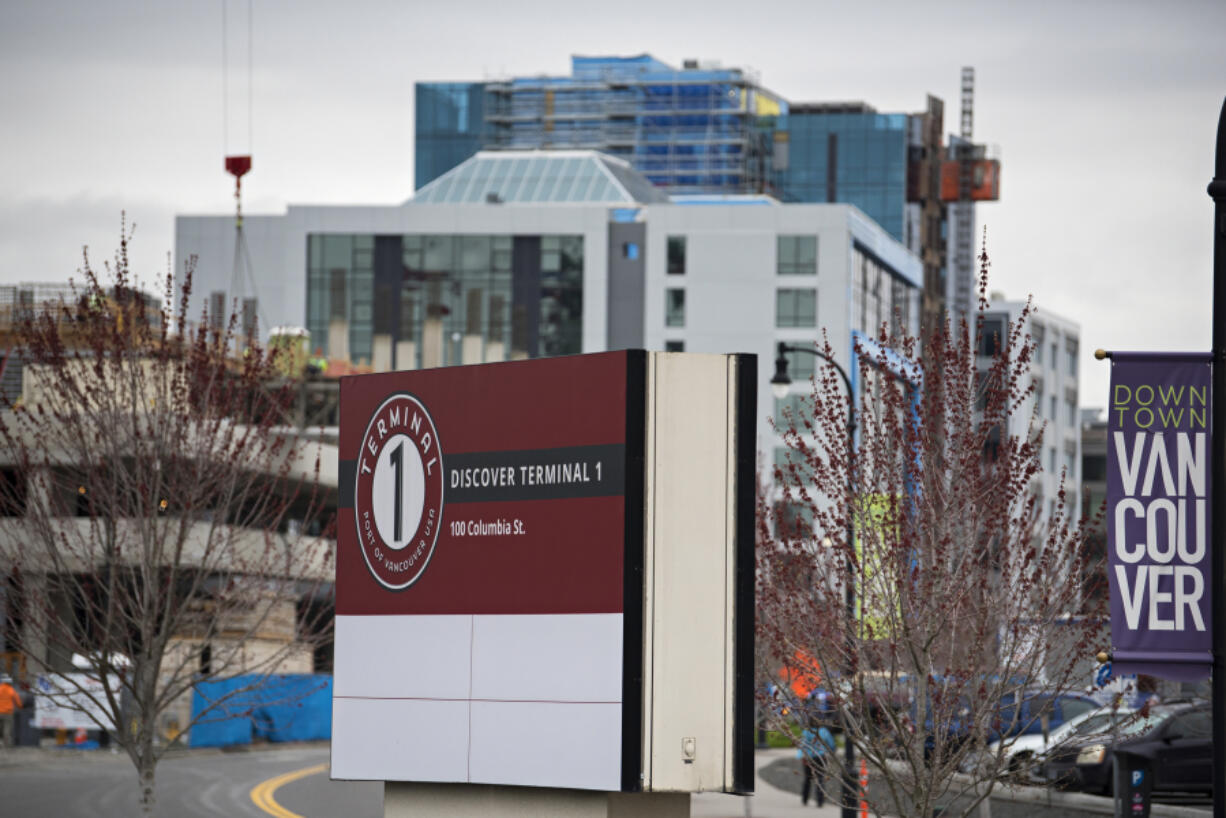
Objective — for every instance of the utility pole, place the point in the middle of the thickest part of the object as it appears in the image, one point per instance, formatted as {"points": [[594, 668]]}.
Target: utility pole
{"points": [[779, 384], [1217, 191]]}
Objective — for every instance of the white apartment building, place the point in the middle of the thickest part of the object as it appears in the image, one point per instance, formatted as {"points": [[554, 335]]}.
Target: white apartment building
{"points": [[1054, 403], [532, 253]]}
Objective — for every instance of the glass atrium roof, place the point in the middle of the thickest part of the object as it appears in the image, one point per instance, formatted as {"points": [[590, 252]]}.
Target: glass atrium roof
{"points": [[492, 177]]}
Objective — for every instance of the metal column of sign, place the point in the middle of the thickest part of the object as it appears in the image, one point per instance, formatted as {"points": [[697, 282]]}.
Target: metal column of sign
{"points": [[1217, 190]]}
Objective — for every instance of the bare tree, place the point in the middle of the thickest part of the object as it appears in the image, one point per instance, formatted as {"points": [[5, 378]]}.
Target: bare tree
{"points": [[964, 601], [156, 511]]}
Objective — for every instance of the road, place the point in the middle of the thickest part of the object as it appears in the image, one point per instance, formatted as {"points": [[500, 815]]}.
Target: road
{"points": [[285, 782], [71, 784]]}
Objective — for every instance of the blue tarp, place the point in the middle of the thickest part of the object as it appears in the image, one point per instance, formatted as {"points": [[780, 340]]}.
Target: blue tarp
{"points": [[290, 707]]}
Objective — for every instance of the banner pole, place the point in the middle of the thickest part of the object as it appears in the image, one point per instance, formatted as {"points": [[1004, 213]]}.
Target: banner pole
{"points": [[1217, 191]]}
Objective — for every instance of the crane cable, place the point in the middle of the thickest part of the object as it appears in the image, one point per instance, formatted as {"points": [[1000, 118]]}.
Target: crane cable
{"points": [[225, 82], [242, 255], [225, 77]]}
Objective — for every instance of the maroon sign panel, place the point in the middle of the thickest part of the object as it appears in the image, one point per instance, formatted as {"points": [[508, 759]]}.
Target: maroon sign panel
{"points": [[493, 489]]}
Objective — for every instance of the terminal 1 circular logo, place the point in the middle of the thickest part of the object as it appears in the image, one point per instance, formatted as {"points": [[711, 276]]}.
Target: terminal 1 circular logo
{"points": [[398, 493]]}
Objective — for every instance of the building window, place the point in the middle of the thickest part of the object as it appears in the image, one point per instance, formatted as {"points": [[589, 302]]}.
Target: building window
{"points": [[797, 255], [338, 307], [1070, 465], [981, 391], [790, 409], [991, 336], [878, 297], [454, 287], [1051, 460], [1072, 413], [674, 308], [217, 310], [676, 255], [674, 346], [560, 320], [795, 519], [551, 254], [1094, 468], [630, 250], [14, 484], [796, 308], [1055, 353], [1036, 335], [1070, 347], [1052, 408]]}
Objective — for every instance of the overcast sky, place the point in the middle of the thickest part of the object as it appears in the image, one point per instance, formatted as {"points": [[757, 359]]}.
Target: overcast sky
{"points": [[1104, 113]]}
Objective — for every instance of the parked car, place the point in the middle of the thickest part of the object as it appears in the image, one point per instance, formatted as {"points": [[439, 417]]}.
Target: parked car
{"points": [[1040, 710], [1177, 738], [1025, 713], [1022, 752]]}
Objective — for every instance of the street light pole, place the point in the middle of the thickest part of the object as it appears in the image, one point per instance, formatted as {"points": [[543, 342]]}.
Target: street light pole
{"points": [[1217, 191], [781, 382]]}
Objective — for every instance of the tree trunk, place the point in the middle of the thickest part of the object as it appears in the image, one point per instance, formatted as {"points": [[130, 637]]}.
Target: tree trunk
{"points": [[146, 767], [146, 752]]}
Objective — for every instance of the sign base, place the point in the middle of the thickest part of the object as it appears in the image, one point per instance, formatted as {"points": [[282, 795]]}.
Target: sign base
{"points": [[419, 800]]}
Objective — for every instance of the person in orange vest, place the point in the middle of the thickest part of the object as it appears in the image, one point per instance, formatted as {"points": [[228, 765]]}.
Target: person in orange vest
{"points": [[10, 702]]}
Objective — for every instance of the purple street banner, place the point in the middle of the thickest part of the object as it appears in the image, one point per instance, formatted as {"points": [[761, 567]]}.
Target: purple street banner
{"points": [[1158, 514]]}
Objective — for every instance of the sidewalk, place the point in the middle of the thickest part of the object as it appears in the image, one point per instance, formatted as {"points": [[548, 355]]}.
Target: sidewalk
{"points": [[768, 801]]}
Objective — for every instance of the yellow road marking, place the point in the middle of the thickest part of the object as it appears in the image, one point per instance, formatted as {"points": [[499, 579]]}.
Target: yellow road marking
{"points": [[262, 793]]}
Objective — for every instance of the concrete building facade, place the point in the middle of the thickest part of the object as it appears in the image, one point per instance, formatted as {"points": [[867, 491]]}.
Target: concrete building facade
{"points": [[477, 278], [1054, 402]]}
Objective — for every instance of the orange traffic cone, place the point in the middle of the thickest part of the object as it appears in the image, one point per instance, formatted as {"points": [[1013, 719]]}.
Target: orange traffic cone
{"points": [[863, 789]]}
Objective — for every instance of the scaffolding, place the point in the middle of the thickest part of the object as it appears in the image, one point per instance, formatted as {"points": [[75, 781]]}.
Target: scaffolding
{"points": [[64, 303], [20, 302], [695, 130]]}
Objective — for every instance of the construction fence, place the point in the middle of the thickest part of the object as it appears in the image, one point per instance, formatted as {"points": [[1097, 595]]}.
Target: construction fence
{"points": [[291, 707]]}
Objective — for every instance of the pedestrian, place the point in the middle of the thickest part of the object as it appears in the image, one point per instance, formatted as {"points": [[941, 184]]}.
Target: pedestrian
{"points": [[816, 747], [10, 702]]}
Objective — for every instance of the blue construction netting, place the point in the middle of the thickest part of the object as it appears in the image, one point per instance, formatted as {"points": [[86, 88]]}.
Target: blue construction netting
{"points": [[291, 707]]}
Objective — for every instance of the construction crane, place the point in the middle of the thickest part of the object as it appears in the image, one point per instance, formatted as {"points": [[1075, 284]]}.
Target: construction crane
{"points": [[243, 289], [968, 175], [965, 209]]}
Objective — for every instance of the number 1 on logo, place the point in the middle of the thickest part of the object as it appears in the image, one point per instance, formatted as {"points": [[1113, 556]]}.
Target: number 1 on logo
{"points": [[397, 458]]}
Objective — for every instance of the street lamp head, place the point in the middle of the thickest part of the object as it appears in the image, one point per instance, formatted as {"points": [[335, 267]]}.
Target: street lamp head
{"points": [[781, 383]]}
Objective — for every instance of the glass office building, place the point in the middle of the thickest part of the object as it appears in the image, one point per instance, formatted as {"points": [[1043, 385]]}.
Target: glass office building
{"points": [[698, 129], [847, 154], [449, 123], [441, 300]]}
